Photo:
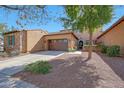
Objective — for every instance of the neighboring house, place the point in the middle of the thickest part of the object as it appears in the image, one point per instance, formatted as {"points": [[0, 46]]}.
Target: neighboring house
{"points": [[114, 35], [37, 40], [83, 37]]}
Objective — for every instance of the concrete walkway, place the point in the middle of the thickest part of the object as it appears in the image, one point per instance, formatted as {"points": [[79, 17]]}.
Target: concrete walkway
{"points": [[15, 65], [9, 82]]}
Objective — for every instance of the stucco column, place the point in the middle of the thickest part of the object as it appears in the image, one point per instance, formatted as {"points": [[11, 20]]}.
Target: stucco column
{"points": [[20, 41], [45, 42], [69, 43]]}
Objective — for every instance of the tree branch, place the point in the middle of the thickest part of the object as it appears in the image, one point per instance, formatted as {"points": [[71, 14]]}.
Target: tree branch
{"points": [[12, 8], [40, 6]]}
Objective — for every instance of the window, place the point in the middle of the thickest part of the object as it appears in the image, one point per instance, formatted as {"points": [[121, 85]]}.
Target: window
{"points": [[65, 40], [87, 42], [11, 41]]}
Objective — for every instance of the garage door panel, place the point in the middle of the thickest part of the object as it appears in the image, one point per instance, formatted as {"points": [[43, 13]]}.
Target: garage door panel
{"points": [[58, 44]]}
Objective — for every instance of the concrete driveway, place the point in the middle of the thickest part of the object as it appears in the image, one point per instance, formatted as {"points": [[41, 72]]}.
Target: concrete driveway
{"points": [[15, 65]]}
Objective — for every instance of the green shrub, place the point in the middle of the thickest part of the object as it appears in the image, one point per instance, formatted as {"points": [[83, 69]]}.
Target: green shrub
{"points": [[4, 54], [39, 67], [14, 53], [103, 48], [113, 51], [71, 50]]}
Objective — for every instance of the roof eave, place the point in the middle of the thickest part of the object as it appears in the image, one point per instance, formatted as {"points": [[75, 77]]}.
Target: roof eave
{"points": [[111, 27]]}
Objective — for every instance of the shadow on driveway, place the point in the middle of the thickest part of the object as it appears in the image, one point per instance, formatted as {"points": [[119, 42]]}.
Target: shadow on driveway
{"points": [[71, 72], [116, 64], [11, 70]]}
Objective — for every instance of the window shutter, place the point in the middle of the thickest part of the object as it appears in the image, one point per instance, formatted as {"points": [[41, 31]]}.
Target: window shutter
{"points": [[13, 40], [8, 38]]}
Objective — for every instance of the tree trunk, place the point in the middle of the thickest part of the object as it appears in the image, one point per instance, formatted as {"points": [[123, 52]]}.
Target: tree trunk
{"points": [[90, 45]]}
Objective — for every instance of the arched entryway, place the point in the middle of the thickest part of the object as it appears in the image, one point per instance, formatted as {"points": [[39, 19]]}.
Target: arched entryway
{"points": [[80, 45]]}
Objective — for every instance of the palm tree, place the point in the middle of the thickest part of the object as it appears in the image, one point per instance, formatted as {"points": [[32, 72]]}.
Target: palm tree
{"points": [[87, 18]]}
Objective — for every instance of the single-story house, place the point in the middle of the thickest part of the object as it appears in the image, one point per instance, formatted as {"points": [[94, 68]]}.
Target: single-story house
{"points": [[113, 35], [83, 38], [37, 40]]}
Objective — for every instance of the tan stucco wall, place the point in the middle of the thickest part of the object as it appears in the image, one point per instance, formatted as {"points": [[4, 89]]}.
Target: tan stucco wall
{"points": [[71, 40], [34, 41], [114, 37], [31, 41], [24, 42]]}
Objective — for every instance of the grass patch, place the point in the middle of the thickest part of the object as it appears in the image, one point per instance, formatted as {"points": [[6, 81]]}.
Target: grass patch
{"points": [[72, 50], [39, 67]]}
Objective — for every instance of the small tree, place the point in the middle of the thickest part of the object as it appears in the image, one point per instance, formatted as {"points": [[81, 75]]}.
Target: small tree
{"points": [[87, 18], [3, 28]]}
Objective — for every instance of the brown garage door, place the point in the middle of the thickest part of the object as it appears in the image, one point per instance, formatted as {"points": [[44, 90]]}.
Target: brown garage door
{"points": [[59, 44]]}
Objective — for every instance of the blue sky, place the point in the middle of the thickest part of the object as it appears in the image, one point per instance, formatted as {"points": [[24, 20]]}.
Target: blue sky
{"points": [[118, 13], [54, 26]]}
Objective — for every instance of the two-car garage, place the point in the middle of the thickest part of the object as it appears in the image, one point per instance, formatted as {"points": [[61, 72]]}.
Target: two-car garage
{"points": [[60, 41]]}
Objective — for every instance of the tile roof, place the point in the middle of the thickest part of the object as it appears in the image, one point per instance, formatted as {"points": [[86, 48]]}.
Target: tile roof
{"points": [[14, 31]]}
